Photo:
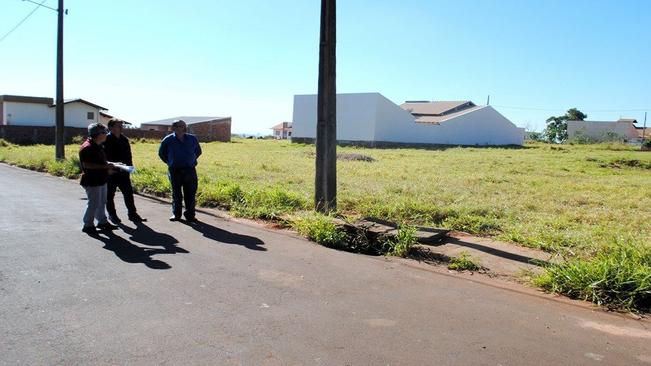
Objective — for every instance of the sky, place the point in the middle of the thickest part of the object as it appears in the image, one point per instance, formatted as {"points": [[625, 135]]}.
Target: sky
{"points": [[146, 60]]}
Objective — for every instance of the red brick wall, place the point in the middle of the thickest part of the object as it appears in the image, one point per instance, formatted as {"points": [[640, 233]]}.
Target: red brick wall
{"points": [[212, 130]]}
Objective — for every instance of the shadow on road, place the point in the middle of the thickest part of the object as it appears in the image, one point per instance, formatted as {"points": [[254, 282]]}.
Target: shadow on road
{"points": [[143, 234], [499, 253], [223, 236], [131, 253]]}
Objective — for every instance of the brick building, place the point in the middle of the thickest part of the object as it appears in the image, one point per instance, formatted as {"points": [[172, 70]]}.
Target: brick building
{"points": [[205, 128]]}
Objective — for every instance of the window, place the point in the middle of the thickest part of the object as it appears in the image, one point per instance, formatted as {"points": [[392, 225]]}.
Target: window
{"points": [[90, 115]]}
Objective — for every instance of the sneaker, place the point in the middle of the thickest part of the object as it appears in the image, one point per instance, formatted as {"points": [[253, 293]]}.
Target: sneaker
{"points": [[114, 219], [106, 227], [136, 218], [175, 218], [89, 229]]}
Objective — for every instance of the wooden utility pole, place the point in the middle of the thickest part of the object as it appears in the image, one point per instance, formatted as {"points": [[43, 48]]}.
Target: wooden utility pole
{"points": [[59, 129], [325, 192]]}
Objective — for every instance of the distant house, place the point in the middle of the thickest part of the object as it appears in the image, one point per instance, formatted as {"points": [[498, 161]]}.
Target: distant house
{"points": [[205, 128], [19, 110], [282, 130], [623, 129], [371, 119]]}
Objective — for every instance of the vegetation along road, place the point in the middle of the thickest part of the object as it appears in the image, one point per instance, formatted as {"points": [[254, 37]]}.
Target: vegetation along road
{"points": [[590, 204]]}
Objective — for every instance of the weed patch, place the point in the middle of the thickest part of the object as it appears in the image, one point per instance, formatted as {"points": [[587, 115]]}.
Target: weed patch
{"points": [[617, 277], [463, 262]]}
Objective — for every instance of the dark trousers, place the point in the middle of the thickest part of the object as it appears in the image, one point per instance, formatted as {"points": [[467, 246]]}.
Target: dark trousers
{"points": [[123, 181], [184, 188]]}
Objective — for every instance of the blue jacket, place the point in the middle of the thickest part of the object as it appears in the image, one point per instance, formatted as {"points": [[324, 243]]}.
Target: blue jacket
{"points": [[179, 154]]}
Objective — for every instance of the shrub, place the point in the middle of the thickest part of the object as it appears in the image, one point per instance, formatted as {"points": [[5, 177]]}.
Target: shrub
{"points": [[618, 277], [5, 143], [647, 143], [78, 139]]}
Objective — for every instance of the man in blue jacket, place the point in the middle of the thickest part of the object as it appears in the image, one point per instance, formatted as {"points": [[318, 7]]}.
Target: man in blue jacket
{"points": [[180, 150]]}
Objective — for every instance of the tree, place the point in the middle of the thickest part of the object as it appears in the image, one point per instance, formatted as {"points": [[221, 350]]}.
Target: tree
{"points": [[556, 130], [574, 114]]}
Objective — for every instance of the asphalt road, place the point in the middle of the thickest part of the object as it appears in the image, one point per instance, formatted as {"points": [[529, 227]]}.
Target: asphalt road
{"points": [[226, 293]]}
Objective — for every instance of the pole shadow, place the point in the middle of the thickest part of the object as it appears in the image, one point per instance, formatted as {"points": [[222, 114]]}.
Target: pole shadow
{"points": [[499, 253], [223, 236]]}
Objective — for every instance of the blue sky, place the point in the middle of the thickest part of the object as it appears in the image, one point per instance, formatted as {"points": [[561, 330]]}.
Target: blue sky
{"points": [[146, 60]]}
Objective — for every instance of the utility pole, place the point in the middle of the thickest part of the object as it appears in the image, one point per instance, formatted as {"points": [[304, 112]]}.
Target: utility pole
{"points": [[325, 188], [488, 100], [644, 127], [59, 129]]}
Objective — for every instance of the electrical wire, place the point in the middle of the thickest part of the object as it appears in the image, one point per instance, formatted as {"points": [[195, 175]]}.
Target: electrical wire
{"points": [[22, 21]]}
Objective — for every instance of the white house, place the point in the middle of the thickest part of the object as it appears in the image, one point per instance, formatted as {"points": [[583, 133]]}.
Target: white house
{"points": [[36, 111], [623, 129], [372, 119]]}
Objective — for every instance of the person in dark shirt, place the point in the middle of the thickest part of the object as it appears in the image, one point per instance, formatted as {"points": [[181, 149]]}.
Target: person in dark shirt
{"points": [[118, 150], [180, 150], [95, 172]]}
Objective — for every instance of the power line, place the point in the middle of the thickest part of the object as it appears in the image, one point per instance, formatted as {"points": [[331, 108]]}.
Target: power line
{"points": [[22, 21], [583, 110]]}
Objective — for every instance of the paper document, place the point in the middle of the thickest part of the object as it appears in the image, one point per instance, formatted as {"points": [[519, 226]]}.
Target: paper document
{"points": [[127, 168]]}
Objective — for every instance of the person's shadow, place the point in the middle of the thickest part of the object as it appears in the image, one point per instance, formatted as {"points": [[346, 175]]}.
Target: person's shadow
{"points": [[145, 235], [223, 236]]}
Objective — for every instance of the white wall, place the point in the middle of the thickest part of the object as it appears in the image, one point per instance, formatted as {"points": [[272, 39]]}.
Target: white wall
{"points": [[28, 114], [372, 117], [75, 114], [482, 126], [35, 114], [356, 115], [599, 130]]}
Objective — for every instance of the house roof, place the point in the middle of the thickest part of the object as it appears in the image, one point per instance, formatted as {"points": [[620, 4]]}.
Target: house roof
{"points": [[283, 126], [79, 100], [25, 99], [436, 108], [443, 118], [188, 120]]}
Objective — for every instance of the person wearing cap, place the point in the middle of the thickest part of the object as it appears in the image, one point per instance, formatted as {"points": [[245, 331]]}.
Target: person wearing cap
{"points": [[95, 171], [118, 150], [180, 150]]}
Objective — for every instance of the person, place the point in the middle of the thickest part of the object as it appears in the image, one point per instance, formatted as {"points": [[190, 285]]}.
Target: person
{"points": [[118, 150], [180, 150], [95, 171]]}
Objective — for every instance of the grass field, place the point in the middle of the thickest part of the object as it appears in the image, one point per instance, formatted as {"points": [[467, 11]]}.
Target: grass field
{"points": [[574, 200]]}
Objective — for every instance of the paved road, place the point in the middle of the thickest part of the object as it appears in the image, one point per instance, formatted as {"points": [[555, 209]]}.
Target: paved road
{"points": [[225, 293]]}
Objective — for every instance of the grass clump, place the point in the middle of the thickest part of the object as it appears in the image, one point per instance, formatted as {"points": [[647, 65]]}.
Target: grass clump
{"points": [[473, 224], [69, 168], [151, 181], [463, 263], [617, 277], [402, 243], [220, 194], [320, 229], [269, 203]]}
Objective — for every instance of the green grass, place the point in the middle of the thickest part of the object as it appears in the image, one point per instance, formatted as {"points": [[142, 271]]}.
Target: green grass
{"points": [[569, 199], [618, 277], [463, 262]]}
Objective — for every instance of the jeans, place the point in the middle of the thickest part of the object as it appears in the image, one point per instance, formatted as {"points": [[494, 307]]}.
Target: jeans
{"points": [[184, 188], [95, 210], [120, 180]]}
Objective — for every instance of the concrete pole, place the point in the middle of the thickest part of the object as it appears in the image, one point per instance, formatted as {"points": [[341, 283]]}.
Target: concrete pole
{"points": [[59, 129], [325, 192]]}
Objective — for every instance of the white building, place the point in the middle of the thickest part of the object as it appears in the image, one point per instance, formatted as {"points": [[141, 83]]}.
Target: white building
{"points": [[35, 111], [372, 119], [623, 129]]}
